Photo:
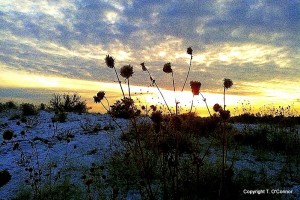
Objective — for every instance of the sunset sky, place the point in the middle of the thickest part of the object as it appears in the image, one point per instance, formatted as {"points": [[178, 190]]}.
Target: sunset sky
{"points": [[60, 45]]}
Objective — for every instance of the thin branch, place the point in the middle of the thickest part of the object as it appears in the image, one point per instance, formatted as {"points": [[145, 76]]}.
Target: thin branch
{"points": [[187, 73], [204, 99], [154, 82], [119, 82], [128, 88], [192, 103]]}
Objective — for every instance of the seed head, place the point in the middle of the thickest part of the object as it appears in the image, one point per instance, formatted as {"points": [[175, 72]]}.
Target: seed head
{"points": [[100, 95], [96, 99], [156, 116], [217, 107], [189, 50], [167, 68], [110, 61], [153, 107], [195, 85], [227, 83], [126, 71], [143, 66], [225, 114]]}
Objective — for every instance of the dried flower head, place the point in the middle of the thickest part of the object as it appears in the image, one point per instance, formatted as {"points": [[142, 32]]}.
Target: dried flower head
{"points": [[126, 71], [143, 66], [128, 102], [153, 107], [8, 135], [156, 116], [227, 83], [189, 50], [167, 68], [195, 85], [99, 97], [110, 61], [217, 107], [96, 99], [225, 114]]}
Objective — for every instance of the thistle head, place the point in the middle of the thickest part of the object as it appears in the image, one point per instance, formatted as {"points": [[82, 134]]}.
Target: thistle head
{"points": [[189, 50], [195, 86], [100, 95], [126, 71], [225, 114], [227, 83], [143, 66], [110, 61], [156, 116], [153, 108], [167, 68], [217, 107]]}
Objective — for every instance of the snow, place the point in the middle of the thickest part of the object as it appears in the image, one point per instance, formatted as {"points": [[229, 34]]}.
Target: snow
{"points": [[87, 146]]}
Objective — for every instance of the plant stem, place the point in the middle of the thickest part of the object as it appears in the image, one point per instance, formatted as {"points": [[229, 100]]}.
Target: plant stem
{"points": [[154, 82], [119, 82], [129, 88], [138, 140], [204, 99], [221, 190], [192, 103], [224, 98], [187, 74], [173, 81], [112, 117], [176, 104]]}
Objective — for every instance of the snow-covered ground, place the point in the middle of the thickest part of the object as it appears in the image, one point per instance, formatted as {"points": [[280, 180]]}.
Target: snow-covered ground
{"points": [[85, 139], [91, 137]]}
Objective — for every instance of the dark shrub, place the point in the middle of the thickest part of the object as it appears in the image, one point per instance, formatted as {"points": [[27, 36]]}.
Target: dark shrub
{"points": [[4, 177], [124, 109], [28, 109], [11, 105], [14, 117], [2, 107], [42, 106], [68, 103], [60, 117], [23, 119]]}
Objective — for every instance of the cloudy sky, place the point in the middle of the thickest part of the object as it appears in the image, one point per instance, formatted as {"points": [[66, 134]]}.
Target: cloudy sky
{"points": [[254, 42]]}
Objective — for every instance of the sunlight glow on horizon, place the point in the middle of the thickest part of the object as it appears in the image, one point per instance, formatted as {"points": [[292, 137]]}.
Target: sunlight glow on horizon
{"points": [[145, 95]]}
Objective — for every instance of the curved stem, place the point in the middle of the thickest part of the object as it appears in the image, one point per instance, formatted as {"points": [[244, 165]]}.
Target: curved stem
{"points": [[224, 99], [187, 74], [113, 118], [163, 98], [192, 103], [204, 99], [176, 103], [119, 82], [107, 103], [128, 88], [138, 140], [154, 82]]}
